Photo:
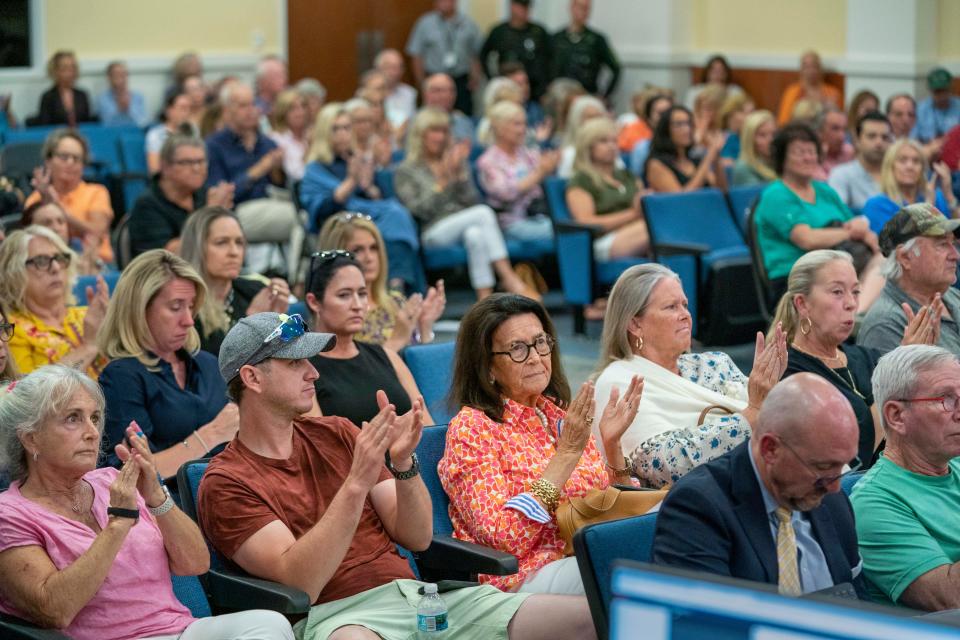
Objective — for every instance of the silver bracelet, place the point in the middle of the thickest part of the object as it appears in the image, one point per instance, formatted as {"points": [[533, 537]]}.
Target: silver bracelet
{"points": [[203, 444], [165, 506]]}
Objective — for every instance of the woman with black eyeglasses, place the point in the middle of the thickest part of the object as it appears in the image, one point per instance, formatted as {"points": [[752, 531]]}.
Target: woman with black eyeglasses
{"points": [[352, 373], [8, 370], [519, 445], [37, 272]]}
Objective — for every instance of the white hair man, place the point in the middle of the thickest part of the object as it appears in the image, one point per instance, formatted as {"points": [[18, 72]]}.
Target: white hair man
{"points": [[908, 525], [920, 269], [271, 81], [401, 101]]}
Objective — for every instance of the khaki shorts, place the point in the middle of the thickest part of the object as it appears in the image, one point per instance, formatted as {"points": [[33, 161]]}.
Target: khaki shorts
{"points": [[390, 611]]}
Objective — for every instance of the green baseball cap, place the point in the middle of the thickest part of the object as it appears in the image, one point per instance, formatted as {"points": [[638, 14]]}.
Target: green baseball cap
{"points": [[921, 219], [938, 79]]}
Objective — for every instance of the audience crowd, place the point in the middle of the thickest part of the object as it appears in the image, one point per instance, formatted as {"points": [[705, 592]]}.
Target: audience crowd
{"points": [[252, 304]]}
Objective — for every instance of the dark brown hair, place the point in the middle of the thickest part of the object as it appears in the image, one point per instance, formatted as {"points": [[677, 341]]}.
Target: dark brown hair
{"points": [[471, 374]]}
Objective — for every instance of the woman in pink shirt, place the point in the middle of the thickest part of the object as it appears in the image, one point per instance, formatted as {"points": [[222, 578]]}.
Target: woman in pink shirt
{"points": [[90, 551]]}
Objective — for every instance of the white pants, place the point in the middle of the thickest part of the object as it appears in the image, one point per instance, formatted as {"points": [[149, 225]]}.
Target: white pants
{"points": [[271, 221], [256, 624], [559, 577], [477, 229]]}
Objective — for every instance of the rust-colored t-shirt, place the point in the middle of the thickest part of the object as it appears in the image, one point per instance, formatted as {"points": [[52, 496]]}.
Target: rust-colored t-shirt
{"points": [[242, 492]]}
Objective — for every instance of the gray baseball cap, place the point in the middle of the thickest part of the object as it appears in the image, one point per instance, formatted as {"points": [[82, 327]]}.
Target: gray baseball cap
{"points": [[269, 335]]}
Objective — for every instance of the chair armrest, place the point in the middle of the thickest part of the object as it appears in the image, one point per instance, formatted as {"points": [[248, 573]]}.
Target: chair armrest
{"points": [[16, 628], [681, 248], [445, 552], [132, 175], [570, 226], [238, 592]]}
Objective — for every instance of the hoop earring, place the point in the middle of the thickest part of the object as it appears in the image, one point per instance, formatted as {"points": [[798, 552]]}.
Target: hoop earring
{"points": [[35, 456], [809, 326], [639, 343]]}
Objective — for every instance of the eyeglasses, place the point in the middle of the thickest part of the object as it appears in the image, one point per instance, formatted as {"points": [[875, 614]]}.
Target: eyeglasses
{"points": [[322, 257], [949, 403], [45, 263], [63, 156], [193, 163], [6, 331], [347, 216], [290, 327], [520, 351], [822, 482]]}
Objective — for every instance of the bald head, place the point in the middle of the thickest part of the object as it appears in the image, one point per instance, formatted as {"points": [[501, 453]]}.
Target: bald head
{"points": [[389, 62], [805, 407], [439, 92]]}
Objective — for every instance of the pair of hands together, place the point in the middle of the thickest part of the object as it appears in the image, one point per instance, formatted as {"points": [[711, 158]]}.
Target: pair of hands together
{"points": [[387, 431]]}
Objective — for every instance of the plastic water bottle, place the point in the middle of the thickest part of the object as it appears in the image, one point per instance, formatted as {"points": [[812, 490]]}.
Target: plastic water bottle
{"points": [[431, 614]]}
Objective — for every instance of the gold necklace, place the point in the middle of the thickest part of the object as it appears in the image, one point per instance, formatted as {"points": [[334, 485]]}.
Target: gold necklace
{"points": [[848, 381], [838, 355]]}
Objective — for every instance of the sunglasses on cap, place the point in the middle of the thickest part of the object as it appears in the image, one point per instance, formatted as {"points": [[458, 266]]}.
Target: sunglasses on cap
{"points": [[290, 327]]}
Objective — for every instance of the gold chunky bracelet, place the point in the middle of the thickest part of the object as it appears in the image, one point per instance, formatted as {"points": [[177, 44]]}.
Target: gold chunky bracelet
{"points": [[547, 492], [625, 471]]}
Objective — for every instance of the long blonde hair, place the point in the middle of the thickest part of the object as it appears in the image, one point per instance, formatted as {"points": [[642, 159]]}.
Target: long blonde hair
{"points": [[211, 312], [427, 118], [802, 277], [748, 150], [13, 267], [587, 135], [321, 150], [125, 333], [888, 183], [337, 233], [575, 116]]}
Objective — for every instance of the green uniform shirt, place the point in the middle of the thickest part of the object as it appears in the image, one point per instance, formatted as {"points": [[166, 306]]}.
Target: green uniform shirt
{"points": [[907, 525], [780, 210]]}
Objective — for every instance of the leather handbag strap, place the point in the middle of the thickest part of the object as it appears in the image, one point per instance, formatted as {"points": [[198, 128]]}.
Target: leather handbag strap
{"points": [[709, 409]]}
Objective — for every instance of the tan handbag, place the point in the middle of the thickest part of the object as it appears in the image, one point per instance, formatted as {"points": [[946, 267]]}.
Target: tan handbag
{"points": [[710, 409], [602, 505]]}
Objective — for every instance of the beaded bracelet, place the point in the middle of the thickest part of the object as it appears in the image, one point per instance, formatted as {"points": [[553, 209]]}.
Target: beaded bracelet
{"points": [[547, 492]]}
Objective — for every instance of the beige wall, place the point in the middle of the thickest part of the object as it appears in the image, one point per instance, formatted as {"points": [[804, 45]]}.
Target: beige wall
{"points": [[949, 40], [125, 28], [770, 26], [486, 13]]}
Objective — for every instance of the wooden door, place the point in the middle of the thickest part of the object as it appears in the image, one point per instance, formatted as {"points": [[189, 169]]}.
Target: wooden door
{"points": [[335, 41]]}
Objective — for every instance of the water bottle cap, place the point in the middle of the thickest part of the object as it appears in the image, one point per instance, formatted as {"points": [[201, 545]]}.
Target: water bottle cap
{"points": [[429, 588]]}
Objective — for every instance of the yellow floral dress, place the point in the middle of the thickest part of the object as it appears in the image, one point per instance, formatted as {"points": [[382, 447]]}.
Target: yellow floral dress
{"points": [[35, 343]]}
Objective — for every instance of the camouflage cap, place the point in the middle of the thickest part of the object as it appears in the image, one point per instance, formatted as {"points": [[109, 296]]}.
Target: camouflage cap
{"points": [[914, 220]]}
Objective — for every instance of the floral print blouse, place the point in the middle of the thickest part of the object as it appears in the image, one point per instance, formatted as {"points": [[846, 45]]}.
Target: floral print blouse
{"points": [[35, 344], [487, 470], [379, 322]]}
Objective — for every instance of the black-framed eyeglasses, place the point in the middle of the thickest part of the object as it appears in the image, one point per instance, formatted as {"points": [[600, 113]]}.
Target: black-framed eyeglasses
{"points": [[193, 163], [520, 351], [347, 216], [948, 402], [821, 481], [6, 331], [322, 257], [290, 328], [44, 263]]}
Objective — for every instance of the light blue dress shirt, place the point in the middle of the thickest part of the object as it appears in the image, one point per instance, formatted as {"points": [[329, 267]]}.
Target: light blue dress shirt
{"points": [[814, 571], [932, 122], [111, 116]]}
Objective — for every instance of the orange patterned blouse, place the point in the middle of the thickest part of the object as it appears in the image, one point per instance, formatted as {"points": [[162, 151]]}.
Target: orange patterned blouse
{"points": [[487, 470]]}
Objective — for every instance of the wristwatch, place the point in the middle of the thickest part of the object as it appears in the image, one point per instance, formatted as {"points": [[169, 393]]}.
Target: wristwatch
{"points": [[164, 506], [133, 514], [412, 472]]}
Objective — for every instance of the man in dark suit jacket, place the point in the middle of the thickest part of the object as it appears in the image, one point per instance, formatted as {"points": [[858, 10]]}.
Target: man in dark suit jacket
{"points": [[726, 517]]}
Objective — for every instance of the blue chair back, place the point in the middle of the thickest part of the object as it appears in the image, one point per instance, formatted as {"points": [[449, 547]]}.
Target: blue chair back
{"points": [[429, 452], [80, 287], [190, 592], [742, 200], [133, 152], [598, 546], [432, 369], [555, 190], [850, 480], [701, 216]]}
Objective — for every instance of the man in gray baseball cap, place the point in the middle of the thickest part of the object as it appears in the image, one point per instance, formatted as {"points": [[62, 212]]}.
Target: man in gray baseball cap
{"points": [[920, 268]]}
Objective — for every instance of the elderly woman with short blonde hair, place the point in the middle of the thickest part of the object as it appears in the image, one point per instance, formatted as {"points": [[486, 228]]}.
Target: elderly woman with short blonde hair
{"points": [[76, 541]]}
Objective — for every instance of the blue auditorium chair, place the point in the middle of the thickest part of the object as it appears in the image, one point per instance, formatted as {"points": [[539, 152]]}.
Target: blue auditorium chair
{"points": [[80, 287], [742, 199], [598, 546], [432, 369], [133, 157], [702, 217], [849, 481]]}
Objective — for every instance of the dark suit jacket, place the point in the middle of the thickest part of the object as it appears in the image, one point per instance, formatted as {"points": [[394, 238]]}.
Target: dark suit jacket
{"points": [[53, 112], [714, 520]]}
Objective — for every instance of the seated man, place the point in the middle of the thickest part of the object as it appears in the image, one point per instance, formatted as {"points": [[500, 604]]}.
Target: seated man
{"points": [[239, 153], [309, 502], [118, 106], [859, 180], [770, 510], [158, 215], [440, 92], [906, 505], [920, 269]]}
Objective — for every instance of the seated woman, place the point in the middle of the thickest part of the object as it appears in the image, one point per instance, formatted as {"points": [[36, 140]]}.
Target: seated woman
{"points": [[670, 168], [37, 274], [175, 118], [65, 153], [640, 129], [507, 461], [158, 376], [903, 181], [652, 112], [716, 73], [291, 130], [8, 369], [52, 216], [214, 245], [602, 195], [733, 112], [797, 214], [810, 86], [77, 541], [366, 141], [63, 103], [498, 89], [754, 164], [337, 180], [864, 102], [434, 183], [582, 110], [706, 117], [392, 320], [696, 406], [817, 315], [511, 175], [352, 373]]}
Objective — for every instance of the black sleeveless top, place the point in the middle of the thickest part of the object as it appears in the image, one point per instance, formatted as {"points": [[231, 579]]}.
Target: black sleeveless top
{"points": [[348, 388]]}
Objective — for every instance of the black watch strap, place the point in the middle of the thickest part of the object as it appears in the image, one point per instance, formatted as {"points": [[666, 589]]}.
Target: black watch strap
{"points": [[133, 514], [412, 472]]}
